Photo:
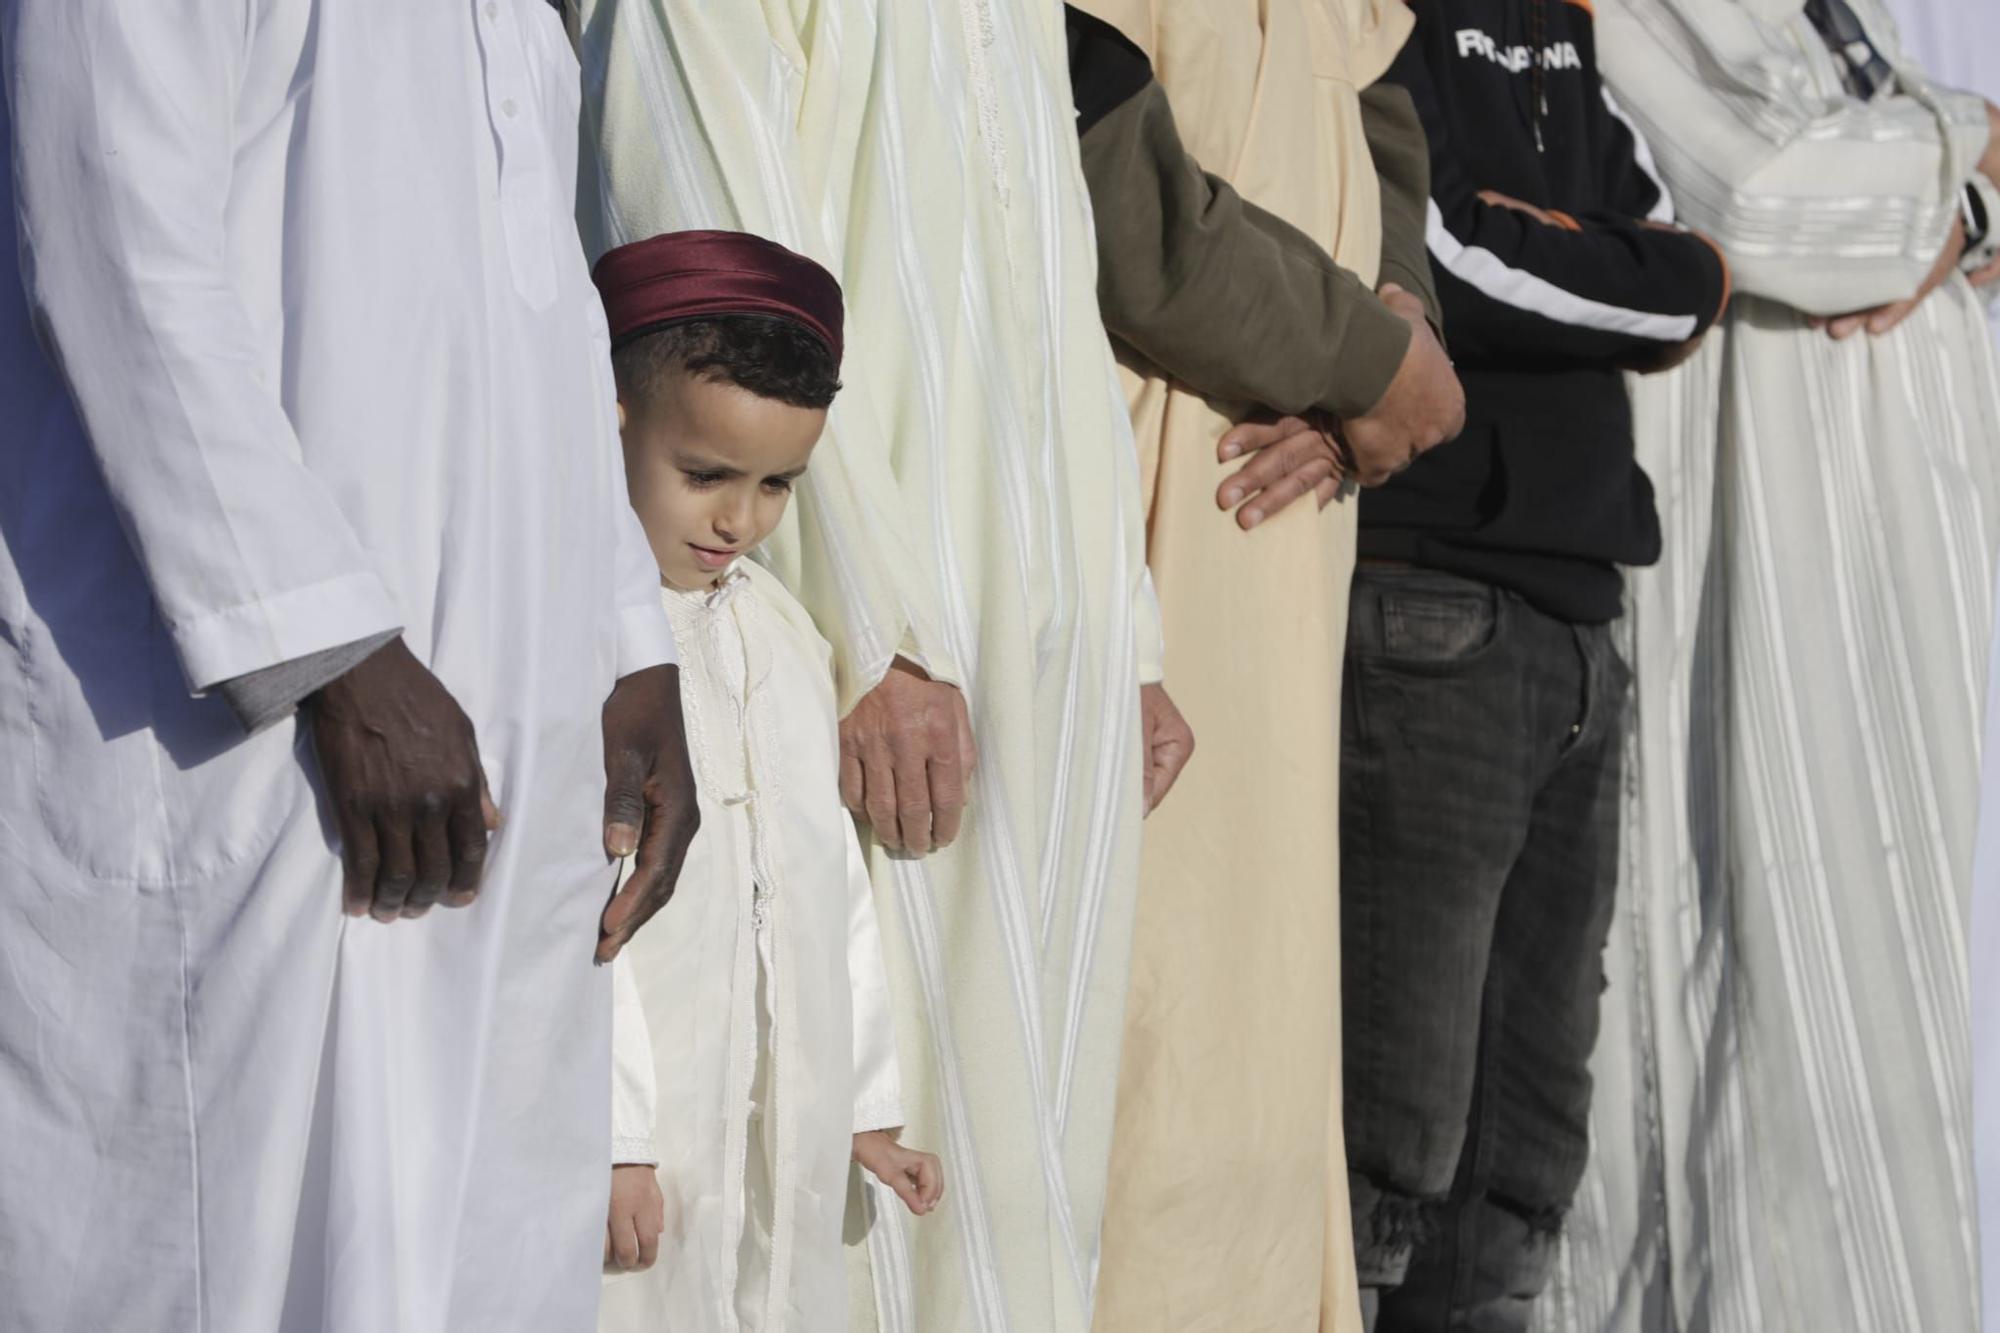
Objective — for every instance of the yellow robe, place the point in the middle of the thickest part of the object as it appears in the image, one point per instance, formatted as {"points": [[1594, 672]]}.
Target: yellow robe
{"points": [[1227, 1206]]}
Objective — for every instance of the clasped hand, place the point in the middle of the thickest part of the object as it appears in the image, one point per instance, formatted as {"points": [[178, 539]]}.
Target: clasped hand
{"points": [[1295, 456]]}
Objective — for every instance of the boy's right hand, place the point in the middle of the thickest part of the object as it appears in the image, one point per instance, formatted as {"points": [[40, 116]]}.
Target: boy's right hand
{"points": [[638, 1216], [917, 1177]]}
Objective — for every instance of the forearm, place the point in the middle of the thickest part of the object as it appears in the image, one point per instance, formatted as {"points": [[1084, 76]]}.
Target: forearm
{"points": [[1401, 155], [1182, 256], [123, 135]]}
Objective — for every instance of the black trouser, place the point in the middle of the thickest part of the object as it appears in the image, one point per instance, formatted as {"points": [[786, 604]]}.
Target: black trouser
{"points": [[1480, 746]]}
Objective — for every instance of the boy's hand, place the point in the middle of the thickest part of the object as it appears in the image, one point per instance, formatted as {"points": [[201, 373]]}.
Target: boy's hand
{"points": [[917, 1177], [638, 1216], [649, 798], [1169, 742]]}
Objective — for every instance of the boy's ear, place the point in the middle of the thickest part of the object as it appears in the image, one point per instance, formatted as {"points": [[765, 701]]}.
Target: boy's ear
{"points": [[621, 414]]}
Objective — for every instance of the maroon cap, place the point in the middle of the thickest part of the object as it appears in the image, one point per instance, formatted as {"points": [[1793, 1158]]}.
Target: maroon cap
{"points": [[690, 274]]}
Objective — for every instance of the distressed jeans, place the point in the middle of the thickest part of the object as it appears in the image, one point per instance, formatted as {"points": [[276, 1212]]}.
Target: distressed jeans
{"points": [[1480, 747]]}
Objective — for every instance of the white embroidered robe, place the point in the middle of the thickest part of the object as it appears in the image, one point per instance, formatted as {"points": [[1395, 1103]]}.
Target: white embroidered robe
{"points": [[774, 897]]}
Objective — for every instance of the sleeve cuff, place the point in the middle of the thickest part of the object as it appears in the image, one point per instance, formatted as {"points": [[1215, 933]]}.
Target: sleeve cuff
{"points": [[633, 1150], [265, 696], [885, 1115], [645, 639], [223, 645], [1149, 636], [944, 673], [1372, 352]]}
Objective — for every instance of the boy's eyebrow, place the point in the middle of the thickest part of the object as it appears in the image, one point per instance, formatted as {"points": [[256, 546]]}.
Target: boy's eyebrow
{"points": [[692, 462]]}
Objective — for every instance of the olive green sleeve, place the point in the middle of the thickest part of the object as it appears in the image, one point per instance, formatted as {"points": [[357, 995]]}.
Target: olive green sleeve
{"points": [[1402, 159], [1221, 295]]}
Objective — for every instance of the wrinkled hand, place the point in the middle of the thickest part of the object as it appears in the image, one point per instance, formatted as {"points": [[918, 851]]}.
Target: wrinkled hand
{"points": [[1291, 458], [638, 1216], [917, 1177], [1882, 318], [404, 786], [649, 799], [906, 760], [1169, 742], [1424, 407]]}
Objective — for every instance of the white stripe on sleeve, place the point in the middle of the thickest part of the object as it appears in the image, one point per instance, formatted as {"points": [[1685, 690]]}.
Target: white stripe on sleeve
{"points": [[1485, 271]]}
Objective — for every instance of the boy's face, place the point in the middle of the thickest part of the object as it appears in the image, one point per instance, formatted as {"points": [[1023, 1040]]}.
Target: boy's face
{"points": [[710, 467]]}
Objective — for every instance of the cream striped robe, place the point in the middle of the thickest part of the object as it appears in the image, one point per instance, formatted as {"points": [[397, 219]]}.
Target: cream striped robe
{"points": [[976, 508], [1782, 1122]]}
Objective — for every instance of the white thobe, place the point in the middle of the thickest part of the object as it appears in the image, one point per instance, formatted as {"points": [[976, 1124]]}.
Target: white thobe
{"points": [[976, 507], [1782, 1139], [751, 1031], [318, 358]]}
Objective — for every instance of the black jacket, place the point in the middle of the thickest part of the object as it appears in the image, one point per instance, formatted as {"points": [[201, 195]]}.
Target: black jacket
{"points": [[1541, 493]]}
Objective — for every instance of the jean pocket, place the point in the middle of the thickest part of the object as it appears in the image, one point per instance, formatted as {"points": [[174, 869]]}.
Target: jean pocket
{"points": [[1438, 629]]}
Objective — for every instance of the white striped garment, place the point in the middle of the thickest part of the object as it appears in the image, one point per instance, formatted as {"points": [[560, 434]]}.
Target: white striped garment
{"points": [[974, 507], [1782, 1120]]}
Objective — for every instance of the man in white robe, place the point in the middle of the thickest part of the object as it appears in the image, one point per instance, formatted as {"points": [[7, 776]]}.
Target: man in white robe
{"points": [[973, 512], [1784, 1142], [307, 398]]}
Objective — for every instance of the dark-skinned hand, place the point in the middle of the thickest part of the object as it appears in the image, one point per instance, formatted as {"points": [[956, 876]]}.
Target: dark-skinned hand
{"points": [[906, 759], [403, 782], [649, 799]]}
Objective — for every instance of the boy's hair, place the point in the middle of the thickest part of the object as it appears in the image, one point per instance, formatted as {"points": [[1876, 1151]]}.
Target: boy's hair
{"points": [[771, 357]]}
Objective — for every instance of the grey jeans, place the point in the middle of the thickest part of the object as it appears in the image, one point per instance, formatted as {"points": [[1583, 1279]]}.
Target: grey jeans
{"points": [[1480, 746]]}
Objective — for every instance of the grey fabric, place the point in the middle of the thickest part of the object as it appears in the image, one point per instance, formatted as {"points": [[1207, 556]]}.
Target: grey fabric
{"points": [[262, 697]]}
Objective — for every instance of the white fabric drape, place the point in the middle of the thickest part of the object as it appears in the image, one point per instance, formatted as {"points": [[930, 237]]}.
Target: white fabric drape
{"points": [[1782, 1125], [330, 363], [975, 507], [775, 874]]}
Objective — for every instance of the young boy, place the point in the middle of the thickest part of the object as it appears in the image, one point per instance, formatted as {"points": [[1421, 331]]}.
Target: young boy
{"points": [[753, 1049]]}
